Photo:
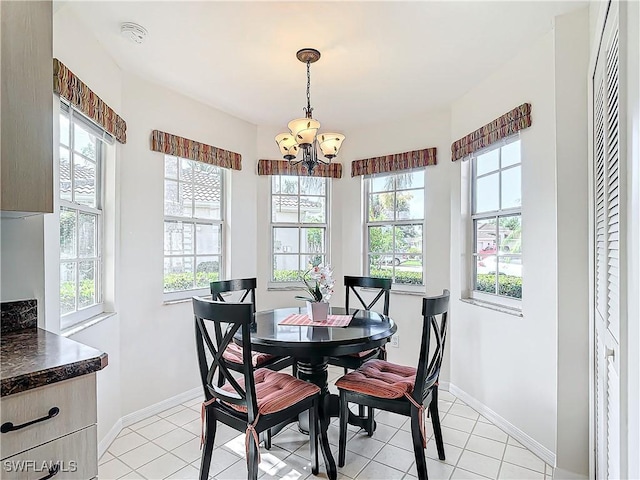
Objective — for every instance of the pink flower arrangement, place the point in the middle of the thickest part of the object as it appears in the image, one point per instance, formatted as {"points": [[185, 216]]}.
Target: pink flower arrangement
{"points": [[319, 283]]}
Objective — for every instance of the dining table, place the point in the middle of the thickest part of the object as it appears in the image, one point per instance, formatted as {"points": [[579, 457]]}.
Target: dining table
{"points": [[311, 346]]}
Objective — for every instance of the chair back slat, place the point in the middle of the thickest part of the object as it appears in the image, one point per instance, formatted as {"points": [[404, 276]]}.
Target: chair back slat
{"points": [[383, 284], [434, 333], [214, 371], [246, 285]]}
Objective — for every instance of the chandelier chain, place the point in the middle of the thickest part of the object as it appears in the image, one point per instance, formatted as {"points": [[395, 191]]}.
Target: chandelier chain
{"points": [[309, 110]]}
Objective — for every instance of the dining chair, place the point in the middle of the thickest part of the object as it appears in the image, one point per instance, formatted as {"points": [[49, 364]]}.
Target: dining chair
{"points": [[353, 361], [254, 403], [400, 389], [233, 353]]}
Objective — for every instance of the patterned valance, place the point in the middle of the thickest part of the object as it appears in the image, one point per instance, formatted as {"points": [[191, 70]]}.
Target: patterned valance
{"points": [[201, 152], [283, 167], [394, 162], [517, 119], [68, 86]]}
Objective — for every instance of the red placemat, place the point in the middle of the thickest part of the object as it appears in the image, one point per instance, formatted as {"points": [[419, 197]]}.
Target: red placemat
{"points": [[303, 319]]}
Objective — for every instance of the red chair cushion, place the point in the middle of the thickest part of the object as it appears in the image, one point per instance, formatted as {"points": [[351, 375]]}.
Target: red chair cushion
{"points": [[233, 354], [275, 391], [366, 353], [380, 378]]}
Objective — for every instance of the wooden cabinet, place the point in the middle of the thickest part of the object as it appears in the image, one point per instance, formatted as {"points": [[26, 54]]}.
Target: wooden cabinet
{"points": [[26, 108], [67, 439]]}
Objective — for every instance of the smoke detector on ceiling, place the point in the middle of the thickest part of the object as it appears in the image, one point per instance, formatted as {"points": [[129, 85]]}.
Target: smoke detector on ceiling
{"points": [[134, 32]]}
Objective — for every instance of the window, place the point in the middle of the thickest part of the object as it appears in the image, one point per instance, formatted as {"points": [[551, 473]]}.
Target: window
{"points": [[497, 221], [299, 225], [81, 220], [193, 225], [395, 225]]}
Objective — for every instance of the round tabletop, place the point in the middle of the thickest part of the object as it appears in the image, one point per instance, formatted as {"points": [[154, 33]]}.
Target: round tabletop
{"points": [[366, 330]]}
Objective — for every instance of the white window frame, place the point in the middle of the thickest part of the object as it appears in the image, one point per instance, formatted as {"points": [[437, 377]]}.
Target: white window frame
{"points": [[296, 284], [366, 190], [485, 297], [185, 294], [78, 316]]}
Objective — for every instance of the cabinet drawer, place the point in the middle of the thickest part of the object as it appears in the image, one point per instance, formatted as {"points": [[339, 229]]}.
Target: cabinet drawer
{"points": [[75, 399], [76, 456]]}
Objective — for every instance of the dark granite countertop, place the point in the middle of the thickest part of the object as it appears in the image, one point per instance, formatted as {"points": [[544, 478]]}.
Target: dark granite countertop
{"points": [[33, 357]]}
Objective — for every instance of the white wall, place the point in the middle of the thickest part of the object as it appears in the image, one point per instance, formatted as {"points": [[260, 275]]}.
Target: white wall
{"points": [[157, 340], [506, 362]]}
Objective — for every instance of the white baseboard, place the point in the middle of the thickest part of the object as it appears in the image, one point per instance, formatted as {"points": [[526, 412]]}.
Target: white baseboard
{"points": [[534, 446], [108, 439], [145, 413]]}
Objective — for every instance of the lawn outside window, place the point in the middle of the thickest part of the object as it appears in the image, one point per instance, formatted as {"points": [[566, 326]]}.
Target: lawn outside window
{"points": [[497, 224], [394, 230]]}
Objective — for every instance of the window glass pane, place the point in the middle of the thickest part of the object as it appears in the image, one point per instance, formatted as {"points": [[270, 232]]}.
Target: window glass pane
{"points": [[312, 210], [178, 238], [410, 204], [284, 209], [68, 233], [84, 178], [186, 197], [207, 201], [486, 269], [172, 204], [170, 167], [408, 241], [409, 273], [286, 268], [312, 240], [312, 185], [87, 283], [207, 270], [275, 184], [510, 276], [178, 274], [289, 185], [65, 174], [377, 268], [510, 234], [487, 162], [381, 207], [208, 239], [186, 170], [64, 130], [67, 287], [511, 154], [309, 261], [380, 240], [487, 193], [382, 183], [286, 240], [511, 196], [410, 180], [84, 142], [88, 234], [485, 235]]}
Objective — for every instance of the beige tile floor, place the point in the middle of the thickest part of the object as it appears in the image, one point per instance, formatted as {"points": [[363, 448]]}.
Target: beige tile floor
{"points": [[168, 446]]}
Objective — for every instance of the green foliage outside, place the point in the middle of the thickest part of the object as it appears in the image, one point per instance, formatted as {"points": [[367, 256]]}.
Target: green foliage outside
{"points": [[406, 278], [184, 281], [508, 285], [68, 295]]}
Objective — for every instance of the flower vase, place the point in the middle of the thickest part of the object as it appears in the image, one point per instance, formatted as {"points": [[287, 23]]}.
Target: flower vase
{"points": [[317, 311]]}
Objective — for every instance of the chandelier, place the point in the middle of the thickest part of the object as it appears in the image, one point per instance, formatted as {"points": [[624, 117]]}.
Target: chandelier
{"points": [[303, 132]]}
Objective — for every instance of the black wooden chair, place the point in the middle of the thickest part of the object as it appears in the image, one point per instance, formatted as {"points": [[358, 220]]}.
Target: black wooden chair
{"points": [[254, 403], [400, 389], [351, 362], [233, 353]]}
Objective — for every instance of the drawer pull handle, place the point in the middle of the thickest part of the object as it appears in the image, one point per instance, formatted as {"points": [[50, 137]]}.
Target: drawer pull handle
{"points": [[10, 427], [53, 471]]}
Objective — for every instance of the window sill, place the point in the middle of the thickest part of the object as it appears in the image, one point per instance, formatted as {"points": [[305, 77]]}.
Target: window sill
{"points": [[78, 327], [516, 312], [274, 287]]}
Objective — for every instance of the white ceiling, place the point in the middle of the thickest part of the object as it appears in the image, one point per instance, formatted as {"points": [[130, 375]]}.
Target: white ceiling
{"points": [[380, 60]]}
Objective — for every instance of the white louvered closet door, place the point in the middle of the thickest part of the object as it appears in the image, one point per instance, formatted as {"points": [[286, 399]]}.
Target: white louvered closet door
{"points": [[607, 204]]}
